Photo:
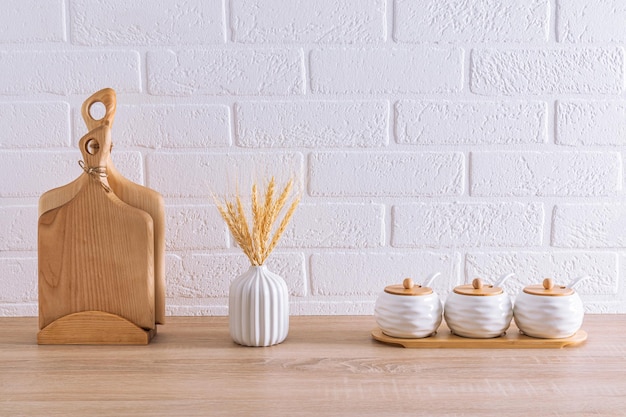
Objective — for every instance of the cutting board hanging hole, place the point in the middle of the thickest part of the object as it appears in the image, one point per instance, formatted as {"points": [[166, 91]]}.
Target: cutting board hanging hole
{"points": [[92, 146], [97, 110]]}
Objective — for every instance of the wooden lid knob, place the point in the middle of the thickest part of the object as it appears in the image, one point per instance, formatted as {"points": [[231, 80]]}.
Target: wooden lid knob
{"points": [[408, 283], [548, 284], [477, 283]]}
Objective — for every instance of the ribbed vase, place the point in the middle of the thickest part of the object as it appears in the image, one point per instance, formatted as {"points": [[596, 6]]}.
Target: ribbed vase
{"points": [[258, 309]]}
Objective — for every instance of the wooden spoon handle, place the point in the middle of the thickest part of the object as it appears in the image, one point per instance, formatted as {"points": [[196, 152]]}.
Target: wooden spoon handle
{"points": [[108, 98]]}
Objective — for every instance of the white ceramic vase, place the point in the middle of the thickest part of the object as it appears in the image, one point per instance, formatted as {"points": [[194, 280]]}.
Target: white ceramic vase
{"points": [[258, 309]]}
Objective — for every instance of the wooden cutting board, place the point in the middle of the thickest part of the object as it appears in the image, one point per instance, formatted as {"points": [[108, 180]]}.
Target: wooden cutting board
{"points": [[96, 253], [129, 192], [134, 194]]}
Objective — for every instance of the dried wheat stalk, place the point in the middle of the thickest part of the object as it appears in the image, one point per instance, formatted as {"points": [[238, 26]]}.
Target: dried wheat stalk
{"points": [[257, 241]]}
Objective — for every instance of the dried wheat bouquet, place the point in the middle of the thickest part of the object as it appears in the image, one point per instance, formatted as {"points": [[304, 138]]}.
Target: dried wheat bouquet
{"points": [[258, 241]]}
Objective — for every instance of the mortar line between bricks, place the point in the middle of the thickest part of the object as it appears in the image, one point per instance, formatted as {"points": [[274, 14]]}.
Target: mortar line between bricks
{"points": [[553, 29], [390, 21]]}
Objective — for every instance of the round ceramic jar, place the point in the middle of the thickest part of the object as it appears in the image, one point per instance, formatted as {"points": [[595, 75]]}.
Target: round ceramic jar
{"points": [[408, 311], [478, 311], [547, 311]]}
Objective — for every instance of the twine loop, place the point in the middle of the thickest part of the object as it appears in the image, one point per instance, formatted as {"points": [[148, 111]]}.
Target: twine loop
{"points": [[98, 172]]}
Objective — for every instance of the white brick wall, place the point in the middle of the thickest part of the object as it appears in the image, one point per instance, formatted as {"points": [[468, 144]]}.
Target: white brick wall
{"points": [[473, 138]]}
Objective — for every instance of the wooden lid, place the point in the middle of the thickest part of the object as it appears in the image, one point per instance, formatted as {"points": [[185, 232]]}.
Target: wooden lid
{"points": [[477, 288], [408, 288], [548, 288]]}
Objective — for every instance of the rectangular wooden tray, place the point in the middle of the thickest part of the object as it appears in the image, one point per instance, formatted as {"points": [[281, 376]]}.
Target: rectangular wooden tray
{"points": [[513, 339]]}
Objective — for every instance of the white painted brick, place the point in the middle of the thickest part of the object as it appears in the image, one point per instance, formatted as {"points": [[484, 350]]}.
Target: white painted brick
{"points": [[470, 123], [593, 21], [19, 228], [471, 21], [18, 309], [386, 174], [589, 225], [226, 72], [312, 124], [336, 226], [147, 22], [34, 125], [69, 72], [18, 279], [467, 224], [532, 267], [31, 173], [32, 21], [545, 173], [201, 174], [351, 274], [591, 122], [321, 21], [129, 164], [423, 69], [168, 126], [323, 307], [209, 276], [547, 71], [194, 227]]}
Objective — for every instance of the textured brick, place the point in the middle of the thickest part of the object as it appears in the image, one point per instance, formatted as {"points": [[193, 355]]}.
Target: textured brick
{"points": [[591, 122], [130, 165], [47, 170], [532, 267], [18, 309], [471, 21], [467, 224], [68, 72], [18, 279], [194, 227], [589, 225], [34, 125], [336, 226], [226, 72], [369, 71], [350, 274], [545, 173], [593, 21], [147, 22], [547, 71], [19, 228], [200, 174], [32, 21], [386, 174], [321, 21], [320, 306], [168, 126], [312, 124], [209, 276], [471, 123]]}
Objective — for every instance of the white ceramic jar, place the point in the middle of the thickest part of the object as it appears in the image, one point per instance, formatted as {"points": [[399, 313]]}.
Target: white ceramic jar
{"points": [[409, 311], [549, 311], [479, 311]]}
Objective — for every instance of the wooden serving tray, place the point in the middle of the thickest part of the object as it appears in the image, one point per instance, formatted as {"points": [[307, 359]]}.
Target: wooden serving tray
{"points": [[513, 339]]}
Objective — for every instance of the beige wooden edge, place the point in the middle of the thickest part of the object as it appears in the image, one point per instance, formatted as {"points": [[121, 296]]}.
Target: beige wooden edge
{"points": [[94, 328]]}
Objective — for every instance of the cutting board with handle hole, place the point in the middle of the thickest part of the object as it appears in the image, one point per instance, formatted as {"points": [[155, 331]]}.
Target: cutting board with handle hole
{"points": [[129, 192], [95, 252]]}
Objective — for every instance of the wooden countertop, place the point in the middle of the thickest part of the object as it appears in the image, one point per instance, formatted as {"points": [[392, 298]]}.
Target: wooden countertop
{"points": [[327, 366]]}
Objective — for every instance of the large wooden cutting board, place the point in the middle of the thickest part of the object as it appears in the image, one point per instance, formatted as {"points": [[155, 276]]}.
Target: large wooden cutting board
{"points": [[96, 253], [135, 195], [129, 192]]}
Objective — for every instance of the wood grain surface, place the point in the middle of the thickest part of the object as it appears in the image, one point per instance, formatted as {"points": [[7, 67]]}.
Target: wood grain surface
{"points": [[94, 328], [96, 252], [328, 366], [132, 194]]}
